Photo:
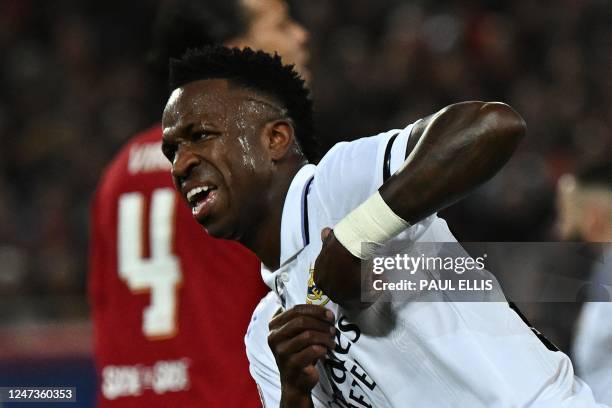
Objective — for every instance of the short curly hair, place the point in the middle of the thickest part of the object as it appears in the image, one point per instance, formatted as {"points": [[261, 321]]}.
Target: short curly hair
{"points": [[258, 71]]}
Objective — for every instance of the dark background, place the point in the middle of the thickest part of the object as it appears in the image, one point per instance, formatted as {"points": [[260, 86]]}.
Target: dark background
{"points": [[74, 87]]}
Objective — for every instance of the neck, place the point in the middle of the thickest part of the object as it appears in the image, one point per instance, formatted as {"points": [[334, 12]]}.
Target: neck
{"points": [[265, 237]]}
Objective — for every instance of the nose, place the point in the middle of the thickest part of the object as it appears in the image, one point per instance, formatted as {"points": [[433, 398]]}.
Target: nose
{"points": [[185, 160]]}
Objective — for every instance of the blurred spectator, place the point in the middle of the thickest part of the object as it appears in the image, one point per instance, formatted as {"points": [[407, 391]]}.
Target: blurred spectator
{"points": [[73, 89], [585, 212]]}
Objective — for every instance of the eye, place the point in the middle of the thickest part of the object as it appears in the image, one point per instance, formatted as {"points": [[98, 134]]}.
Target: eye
{"points": [[202, 135]]}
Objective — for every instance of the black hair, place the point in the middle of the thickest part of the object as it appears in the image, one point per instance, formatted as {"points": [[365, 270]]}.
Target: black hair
{"points": [[184, 24], [260, 72]]}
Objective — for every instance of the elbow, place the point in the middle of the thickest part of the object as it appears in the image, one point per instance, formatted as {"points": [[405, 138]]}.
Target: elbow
{"points": [[503, 124]]}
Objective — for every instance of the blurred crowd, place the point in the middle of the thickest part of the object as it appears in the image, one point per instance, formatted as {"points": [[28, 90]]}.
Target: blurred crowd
{"points": [[73, 90], [379, 65], [75, 86]]}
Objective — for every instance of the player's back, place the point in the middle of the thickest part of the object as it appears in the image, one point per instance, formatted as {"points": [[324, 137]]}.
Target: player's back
{"points": [[170, 304]]}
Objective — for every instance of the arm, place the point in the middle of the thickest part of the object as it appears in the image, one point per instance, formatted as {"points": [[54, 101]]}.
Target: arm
{"points": [[455, 150]]}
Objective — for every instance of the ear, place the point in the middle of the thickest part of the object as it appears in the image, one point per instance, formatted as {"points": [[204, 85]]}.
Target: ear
{"points": [[280, 138]]}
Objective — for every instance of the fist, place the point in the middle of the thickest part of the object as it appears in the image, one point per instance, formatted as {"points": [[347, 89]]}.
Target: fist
{"points": [[337, 272], [299, 337]]}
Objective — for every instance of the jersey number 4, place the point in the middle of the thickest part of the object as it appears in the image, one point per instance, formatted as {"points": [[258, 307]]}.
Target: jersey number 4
{"points": [[160, 274]]}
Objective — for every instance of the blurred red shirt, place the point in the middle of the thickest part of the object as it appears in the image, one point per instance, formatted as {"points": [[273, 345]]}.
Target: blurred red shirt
{"points": [[170, 304]]}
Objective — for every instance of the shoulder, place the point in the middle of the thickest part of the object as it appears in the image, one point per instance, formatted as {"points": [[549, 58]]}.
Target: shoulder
{"points": [[142, 154], [147, 137], [366, 157], [351, 171], [138, 160]]}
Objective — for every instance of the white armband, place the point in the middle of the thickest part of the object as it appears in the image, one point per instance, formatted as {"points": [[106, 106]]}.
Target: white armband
{"points": [[372, 224]]}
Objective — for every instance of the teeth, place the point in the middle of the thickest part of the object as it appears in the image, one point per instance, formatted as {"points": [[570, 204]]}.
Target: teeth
{"points": [[195, 191]]}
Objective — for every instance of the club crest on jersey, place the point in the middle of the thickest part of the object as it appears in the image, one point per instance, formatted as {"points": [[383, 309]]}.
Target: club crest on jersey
{"points": [[315, 296]]}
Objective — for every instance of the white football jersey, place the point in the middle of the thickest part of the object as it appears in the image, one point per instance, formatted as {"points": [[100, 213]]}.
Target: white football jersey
{"points": [[423, 354]]}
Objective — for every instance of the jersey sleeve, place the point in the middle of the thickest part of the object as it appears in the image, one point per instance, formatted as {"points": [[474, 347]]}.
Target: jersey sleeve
{"points": [[353, 171], [262, 365]]}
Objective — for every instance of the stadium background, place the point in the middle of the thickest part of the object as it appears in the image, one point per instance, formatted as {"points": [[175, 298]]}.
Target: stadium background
{"points": [[74, 88]]}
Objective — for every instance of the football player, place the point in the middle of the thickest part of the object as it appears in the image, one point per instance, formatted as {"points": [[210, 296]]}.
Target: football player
{"points": [[238, 130]]}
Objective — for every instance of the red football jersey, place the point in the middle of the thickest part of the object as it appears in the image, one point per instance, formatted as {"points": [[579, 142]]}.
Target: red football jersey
{"points": [[170, 304]]}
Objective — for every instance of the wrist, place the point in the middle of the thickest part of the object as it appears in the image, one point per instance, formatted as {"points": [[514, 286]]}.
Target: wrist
{"points": [[368, 227], [295, 398]]}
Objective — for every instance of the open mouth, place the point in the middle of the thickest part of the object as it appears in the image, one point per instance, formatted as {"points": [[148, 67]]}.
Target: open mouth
{"points": [[201, 199], [199, 193]]}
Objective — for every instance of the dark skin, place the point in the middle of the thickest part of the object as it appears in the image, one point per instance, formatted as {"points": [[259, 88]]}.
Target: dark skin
{"points": [[457, 149], [234, 139]]}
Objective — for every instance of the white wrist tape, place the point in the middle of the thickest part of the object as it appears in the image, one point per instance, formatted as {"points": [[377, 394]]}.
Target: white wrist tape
{"points": [[373, 223]]}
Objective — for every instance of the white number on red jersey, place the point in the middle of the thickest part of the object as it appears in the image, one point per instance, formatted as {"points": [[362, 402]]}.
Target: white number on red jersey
{"points": [[160, 274]]}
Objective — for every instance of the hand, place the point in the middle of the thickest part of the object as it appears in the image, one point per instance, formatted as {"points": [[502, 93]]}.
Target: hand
{"points": [[298, 338], [337, 272]]}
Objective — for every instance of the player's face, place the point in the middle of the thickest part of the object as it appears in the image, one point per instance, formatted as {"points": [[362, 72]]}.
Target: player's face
{"points": [[271, 29], [214, 135]]}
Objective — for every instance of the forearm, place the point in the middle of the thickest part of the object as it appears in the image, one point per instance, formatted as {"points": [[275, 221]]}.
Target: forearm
{"points": [[458, 149]]}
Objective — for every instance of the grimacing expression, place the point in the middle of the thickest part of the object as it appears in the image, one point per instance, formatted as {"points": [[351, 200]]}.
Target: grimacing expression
{"points": [[214, 133]]}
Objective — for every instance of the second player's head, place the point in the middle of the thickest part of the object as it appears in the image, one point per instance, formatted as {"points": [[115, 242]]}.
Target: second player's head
{"points": [[259, 24], [271, 28], [237, 126]]}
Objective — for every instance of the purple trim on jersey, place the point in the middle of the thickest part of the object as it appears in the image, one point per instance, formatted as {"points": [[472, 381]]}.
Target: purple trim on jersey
{"points": [[305, 232]]}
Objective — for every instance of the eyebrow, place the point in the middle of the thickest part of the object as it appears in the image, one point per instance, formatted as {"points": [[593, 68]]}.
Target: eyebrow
{"points": [[177, 130]]}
